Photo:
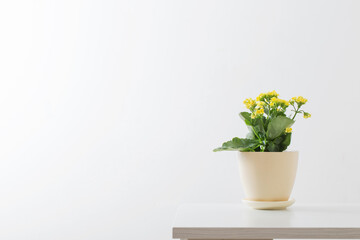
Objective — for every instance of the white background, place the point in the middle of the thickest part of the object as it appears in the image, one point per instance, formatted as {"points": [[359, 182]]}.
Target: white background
{"points": [[110, 109]]}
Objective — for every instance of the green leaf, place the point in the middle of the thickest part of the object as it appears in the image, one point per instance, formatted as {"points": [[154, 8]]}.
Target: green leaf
{"points": [[259, 126], [238, 144], [279, 144], [278, 140], [246, 116], [277, 126], [286, 141], [251, 135], [273, 147], [281, 114], [266, 122]]}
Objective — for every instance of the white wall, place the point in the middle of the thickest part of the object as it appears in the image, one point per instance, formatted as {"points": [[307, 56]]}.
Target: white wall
{"points": [[110, 110]]}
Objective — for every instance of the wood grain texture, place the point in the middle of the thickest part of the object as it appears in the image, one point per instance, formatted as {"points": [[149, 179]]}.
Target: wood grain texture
{"points": [[266, 233]]}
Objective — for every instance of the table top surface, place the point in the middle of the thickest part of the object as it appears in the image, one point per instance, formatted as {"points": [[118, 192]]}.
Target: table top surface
{"points": [[240, 216], [204, 217]]}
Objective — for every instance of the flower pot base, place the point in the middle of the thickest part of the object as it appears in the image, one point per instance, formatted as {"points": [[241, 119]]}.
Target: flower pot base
{"points": [[269, 205]]}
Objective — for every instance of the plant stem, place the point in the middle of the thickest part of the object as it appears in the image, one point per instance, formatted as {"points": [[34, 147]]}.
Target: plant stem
{"points": [[296, 112], [262, 146], [256, 134], [294, 115]]}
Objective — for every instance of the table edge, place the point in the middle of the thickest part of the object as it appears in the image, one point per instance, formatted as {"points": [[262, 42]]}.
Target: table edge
{"points": [[265, 233]]}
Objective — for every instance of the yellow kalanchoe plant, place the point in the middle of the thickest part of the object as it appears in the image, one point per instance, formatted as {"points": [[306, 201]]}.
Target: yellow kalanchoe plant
{"points": [[270, 127]]}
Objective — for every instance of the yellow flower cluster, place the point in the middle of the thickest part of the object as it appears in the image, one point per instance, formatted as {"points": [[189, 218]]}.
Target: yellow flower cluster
{"points": [[260, 104], [288, 130], [258, 112], [299, 100], [270, 102], [267, 95], [280, 102], [250, 103]]}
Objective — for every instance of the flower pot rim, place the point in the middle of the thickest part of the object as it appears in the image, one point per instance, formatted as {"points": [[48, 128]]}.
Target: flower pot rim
{"points": [[295, 151]]}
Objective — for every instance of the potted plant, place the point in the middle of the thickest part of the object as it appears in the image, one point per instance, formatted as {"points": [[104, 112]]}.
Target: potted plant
{"points": [[267, 171]]}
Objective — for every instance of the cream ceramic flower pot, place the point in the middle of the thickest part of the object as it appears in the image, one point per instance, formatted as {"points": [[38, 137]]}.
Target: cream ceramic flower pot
{"points": [[268, 176]]}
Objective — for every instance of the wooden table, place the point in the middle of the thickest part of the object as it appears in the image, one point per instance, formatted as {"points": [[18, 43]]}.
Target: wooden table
{"points": [[236, 221]]}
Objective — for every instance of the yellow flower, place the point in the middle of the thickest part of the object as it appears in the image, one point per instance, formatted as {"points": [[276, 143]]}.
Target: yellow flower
{"points": [[277, 101], [259, 111], [260, 104], [249, 103], [273, 101], [248, 100], [288, 130], [272, 94], [299, 100], [307, 115], [267, 95], [292, 100], [261, 97]]}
